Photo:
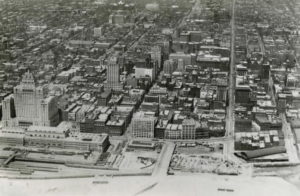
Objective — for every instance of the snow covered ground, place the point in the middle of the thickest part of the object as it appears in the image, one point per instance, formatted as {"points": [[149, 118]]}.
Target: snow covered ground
{"points": [[204, 184]]}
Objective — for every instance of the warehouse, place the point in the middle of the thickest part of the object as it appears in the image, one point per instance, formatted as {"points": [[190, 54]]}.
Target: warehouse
{"points": [[261, 152]]}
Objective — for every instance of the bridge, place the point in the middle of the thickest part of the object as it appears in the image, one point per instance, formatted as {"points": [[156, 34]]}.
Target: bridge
{"points": [[164, 159], [10, 159]]}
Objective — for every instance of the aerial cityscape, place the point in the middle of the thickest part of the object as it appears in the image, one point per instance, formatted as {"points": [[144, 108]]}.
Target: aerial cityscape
{"points": [[150, 97]]}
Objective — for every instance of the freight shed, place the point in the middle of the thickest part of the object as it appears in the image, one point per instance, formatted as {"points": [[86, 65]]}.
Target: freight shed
{"points": [[261, 152]]}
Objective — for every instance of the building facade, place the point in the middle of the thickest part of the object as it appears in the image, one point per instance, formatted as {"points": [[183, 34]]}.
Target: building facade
{"points": [[113, 74], [59, 137], [188, 129], [28, 106], [143, 125]]}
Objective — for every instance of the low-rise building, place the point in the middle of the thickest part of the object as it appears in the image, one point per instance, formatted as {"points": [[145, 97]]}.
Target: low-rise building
{"points": [[55, 137]]}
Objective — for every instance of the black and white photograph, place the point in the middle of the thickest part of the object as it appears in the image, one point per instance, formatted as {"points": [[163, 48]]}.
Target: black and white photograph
{"points": [[149, 97]]}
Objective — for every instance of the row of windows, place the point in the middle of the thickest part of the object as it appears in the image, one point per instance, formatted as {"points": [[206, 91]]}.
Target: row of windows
{"points": [[23, 123], [49, 136], [45, 144], [13, 132]]}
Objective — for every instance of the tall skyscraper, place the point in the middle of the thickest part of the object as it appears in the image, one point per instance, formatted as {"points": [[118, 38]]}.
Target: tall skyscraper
{"points": [[113, 74], [30, 106], [28, 98], [8, 111], [156, 55]]}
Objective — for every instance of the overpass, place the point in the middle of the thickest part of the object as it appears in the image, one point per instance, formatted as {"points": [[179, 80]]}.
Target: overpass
{"points": [[9, 159], [164, 159]]}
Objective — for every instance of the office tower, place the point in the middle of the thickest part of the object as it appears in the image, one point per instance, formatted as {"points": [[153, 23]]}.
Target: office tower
{"points": [[265, 72], [222, 92], [180, 65], [156, 55], [8, 111], [242, 94], [28, 99], [121, 61], [143, 125], [169, 66], [187, 58], [30, 106], [113, 74], [188, 129]]}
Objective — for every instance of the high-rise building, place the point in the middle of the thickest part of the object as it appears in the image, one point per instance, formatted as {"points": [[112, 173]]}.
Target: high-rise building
{"points": [[242, 94], [187, 58], [222, 92], [145, 69], [113, 74], [143, 125], [156, 55], [180, 65], [28, 98], [265, 74], [28, 106], [169, 66], [121, 61], [173, 131], [8, 111], [120, 17], [188, 129], [2, 75]]}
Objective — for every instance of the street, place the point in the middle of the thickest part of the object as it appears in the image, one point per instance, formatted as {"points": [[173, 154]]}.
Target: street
{"points": [[230, 110], [289, 141]]}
